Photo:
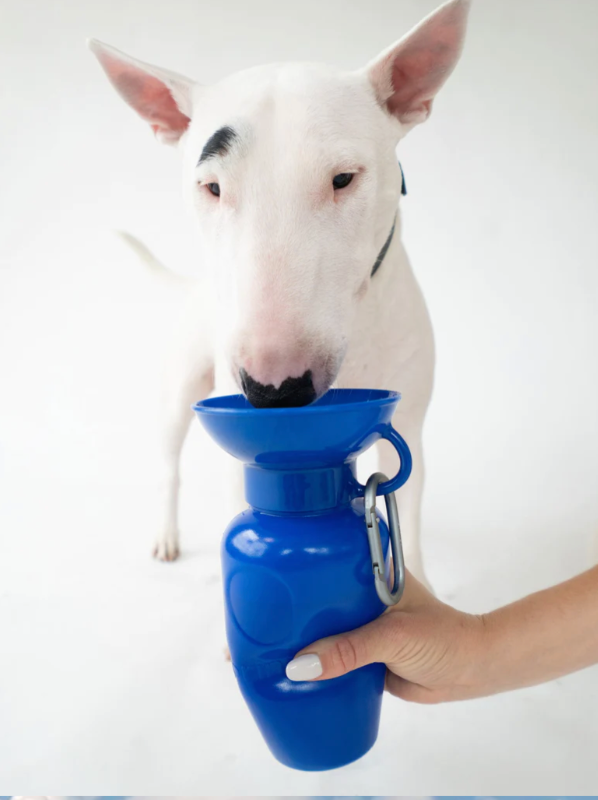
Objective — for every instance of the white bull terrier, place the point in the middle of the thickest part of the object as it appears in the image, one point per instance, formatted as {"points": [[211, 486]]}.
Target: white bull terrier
{"points": [[292, 173]]}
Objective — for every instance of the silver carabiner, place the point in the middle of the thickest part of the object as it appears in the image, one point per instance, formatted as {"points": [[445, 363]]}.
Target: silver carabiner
{"points": [[388, 597]]}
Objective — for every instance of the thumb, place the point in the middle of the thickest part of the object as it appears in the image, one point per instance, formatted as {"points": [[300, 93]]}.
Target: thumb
{"points": [[337, 655]]}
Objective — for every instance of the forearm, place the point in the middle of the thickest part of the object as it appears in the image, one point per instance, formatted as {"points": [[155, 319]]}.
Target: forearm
{"points": [[543, 636]]}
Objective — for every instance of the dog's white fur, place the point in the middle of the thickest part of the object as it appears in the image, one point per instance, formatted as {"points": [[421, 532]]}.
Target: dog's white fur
{"points": [[288, 260]]}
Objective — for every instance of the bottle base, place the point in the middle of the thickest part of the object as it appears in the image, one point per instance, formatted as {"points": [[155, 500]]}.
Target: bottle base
{"points": [[315, 726]]}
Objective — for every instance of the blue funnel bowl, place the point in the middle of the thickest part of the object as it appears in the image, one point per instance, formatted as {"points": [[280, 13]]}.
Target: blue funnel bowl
{"points": [[330, 433], [297, 565]]}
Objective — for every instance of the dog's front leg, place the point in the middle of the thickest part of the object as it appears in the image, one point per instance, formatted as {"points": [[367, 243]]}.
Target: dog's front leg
{"points": [[176, 417], [409, 496]]}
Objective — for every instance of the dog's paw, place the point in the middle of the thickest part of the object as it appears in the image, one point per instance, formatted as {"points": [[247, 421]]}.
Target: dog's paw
{"points": [[166, 548], [227, 654]]}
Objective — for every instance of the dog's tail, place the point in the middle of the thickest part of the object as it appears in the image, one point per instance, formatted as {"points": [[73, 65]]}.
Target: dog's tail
{"points": [[155, 267]]}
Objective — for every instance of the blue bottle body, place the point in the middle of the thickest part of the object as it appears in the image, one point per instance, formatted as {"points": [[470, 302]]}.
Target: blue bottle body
{"points": [[297, 564], [290, 580]]}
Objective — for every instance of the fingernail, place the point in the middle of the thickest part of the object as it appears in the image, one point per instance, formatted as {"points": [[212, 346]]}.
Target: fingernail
{"points": [[304, 668]]}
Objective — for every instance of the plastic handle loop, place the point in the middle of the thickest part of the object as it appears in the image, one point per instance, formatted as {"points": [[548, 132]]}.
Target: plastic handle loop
{"points": [[400, 445], [388, 597]]}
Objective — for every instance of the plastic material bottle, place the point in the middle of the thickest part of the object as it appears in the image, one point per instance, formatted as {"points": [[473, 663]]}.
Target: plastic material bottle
{"points": [[297, 565]]}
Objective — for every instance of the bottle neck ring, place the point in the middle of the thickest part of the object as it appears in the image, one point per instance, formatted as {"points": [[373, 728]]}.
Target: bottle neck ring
{"points": [[300, 491]]}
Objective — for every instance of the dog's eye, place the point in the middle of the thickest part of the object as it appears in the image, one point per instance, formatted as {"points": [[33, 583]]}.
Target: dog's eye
{"points": [[342, 180], [214, 188]]}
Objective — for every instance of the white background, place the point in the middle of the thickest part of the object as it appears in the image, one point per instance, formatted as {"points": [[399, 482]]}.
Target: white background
{"points": [[112, 678]]}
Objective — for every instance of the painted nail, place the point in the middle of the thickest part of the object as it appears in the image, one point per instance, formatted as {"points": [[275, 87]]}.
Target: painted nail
{"points": [[304, 668]]}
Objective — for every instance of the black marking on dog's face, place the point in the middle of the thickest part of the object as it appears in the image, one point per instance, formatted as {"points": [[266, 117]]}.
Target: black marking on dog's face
{"points": [[218, 144]]}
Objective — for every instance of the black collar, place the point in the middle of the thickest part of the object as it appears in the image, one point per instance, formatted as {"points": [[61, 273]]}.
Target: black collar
{"points": [[386, 245], [384, 250]]}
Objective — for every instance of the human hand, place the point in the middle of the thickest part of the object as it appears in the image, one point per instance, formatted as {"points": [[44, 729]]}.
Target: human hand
{"points": [[433, 652]]}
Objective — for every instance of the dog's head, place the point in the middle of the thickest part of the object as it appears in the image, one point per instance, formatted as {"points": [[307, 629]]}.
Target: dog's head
{"points": [[292, 173]]}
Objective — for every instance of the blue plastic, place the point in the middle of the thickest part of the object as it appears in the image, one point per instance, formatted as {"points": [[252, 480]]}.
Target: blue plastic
{"points": [[297, 567]]}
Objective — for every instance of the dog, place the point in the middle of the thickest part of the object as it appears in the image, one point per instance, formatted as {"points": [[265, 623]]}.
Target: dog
{"points": [[292, 174]]}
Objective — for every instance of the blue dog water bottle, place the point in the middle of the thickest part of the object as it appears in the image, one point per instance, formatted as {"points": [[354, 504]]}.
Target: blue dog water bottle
{"points": [[297, 565]]}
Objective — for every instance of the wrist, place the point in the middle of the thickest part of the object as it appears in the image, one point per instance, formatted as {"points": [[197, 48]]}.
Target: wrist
{"points": [[490, 673], [483, 672], [471, 672], [507, 658]]}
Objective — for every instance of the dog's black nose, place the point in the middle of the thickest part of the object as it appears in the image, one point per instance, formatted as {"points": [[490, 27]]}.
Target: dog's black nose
{"points": [[291, 392]]}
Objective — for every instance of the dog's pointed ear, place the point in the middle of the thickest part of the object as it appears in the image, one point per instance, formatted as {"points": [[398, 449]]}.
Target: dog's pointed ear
{"points": [[160, 97], [407, 76]]}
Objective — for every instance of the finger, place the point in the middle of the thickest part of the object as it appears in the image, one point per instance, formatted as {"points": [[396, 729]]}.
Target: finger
{"points": [[337, 655]]}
